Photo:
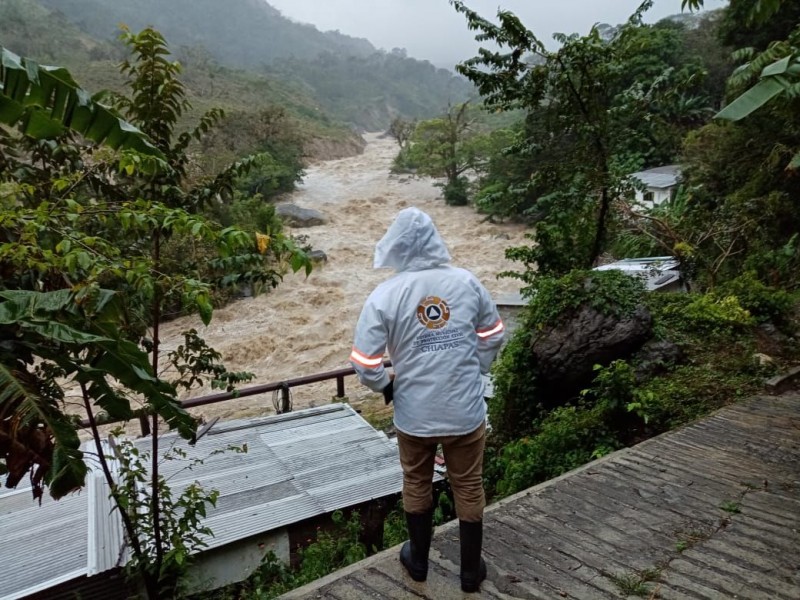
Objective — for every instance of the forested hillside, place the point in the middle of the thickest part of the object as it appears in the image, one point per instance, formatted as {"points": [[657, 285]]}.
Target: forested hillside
{"points": [[351, 80], [244, 33]]}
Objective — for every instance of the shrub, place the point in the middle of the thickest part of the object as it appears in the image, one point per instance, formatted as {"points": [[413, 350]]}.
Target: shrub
{"points": [[566, 438], [456, 193], [704, 313], [763, 302]]}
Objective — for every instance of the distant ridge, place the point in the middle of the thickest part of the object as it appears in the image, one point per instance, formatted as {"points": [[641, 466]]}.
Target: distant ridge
{"points": [[353, 82], [241, 33]]}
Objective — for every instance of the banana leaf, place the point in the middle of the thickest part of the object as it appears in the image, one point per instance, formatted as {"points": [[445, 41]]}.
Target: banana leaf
{"points": [[44, 102]]}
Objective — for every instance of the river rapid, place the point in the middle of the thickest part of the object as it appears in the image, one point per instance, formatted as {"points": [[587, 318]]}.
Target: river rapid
{"points": [[305, 326]]}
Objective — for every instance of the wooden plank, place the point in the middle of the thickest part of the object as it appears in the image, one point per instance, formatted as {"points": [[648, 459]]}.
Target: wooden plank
{"points": [[601, 553], [553, 552], [719, 475], [533, 569], [769, 513], [720, 566], [649, 504], [378, 584]]}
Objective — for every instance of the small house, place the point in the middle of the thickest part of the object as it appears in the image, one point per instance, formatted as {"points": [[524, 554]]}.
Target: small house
{"points": [[657, 185]]}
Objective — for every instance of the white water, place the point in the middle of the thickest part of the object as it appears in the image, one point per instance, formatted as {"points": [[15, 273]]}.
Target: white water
{"points": [[305, 326]]}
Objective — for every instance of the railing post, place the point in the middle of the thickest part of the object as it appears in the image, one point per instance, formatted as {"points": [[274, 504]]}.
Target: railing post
{"points": [[144, 423], [340, 386], [286, 403]]}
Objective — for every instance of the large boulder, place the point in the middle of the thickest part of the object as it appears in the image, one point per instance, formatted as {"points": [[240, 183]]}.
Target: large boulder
{"points": [[295, 216], [565, 354]]}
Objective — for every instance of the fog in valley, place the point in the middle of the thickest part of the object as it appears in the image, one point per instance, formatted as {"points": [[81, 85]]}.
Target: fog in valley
{"points": [[432, 29]]}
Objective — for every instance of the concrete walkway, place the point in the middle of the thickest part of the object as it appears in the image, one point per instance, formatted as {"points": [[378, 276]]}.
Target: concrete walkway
{"points": [[710, 511]]}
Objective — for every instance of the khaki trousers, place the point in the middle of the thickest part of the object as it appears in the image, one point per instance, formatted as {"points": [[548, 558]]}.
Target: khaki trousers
{"points": [[463, 455]]}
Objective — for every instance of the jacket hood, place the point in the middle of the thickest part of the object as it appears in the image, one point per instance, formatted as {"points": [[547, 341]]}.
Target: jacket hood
{"points": [[411, 243]]}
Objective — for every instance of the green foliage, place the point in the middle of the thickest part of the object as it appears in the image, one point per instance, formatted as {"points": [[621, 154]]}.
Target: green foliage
{"points": [[78, 339], [763, 302], [532, 440], [731, 506], [179, 532], [194, 361], [779, 265], [689, 392], [708, 314], [456, 192], [95, 248], [402, 130], [44, 102], [517, 403], [596, 110], [609, 291], [253, 214], [636, 584], [332, 550], [563, 439], [447, 147]]}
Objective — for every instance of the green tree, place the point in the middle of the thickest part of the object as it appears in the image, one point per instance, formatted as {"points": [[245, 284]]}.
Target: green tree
{"points": [[595, 111], [449, 147], [738, 209], [86, 279], [401, 130]]}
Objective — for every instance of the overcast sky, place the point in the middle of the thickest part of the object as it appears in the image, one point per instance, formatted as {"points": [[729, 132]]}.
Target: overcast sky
{"points": [[432, 30]]}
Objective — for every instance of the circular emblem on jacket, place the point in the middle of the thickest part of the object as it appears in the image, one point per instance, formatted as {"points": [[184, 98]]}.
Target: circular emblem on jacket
{"points": [[433, 312]]}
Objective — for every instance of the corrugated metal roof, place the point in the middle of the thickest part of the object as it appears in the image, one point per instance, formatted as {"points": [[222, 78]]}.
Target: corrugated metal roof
{"points": [[657, 272], [297, 466], [40, 546], [43, 546], [659, 177]]}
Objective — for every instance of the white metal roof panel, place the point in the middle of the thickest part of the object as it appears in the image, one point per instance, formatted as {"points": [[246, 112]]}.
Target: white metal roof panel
{"points": [[40, 544], [297, 466], [659, 177]]}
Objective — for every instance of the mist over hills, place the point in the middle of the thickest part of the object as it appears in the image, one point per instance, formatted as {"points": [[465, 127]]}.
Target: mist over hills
{"points": [[351, 80], [240, 33]]}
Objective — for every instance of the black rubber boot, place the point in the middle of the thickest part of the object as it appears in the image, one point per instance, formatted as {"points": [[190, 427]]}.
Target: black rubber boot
{"points": [[473, 569], [414, 553]]}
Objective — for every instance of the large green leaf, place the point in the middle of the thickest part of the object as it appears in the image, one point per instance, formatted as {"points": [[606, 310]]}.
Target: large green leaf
{"points": [[28, 302], [56, 317], [779, 67], [45, 101], [753, 99]]}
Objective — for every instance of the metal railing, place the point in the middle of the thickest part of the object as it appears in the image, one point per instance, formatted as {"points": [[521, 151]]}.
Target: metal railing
{"points": [[283, 386]]}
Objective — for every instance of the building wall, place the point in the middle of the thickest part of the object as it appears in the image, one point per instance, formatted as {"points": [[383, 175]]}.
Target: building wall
{"points": [[236, 561], [110, 585], [653, 196]]}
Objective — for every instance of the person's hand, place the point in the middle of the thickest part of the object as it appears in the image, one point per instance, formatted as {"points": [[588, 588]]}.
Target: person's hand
{"points": [[388, 391]]}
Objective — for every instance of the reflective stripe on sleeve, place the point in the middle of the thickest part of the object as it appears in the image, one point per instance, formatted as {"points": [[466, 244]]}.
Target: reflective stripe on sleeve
{"points": [[367, 361], [496, 328]]}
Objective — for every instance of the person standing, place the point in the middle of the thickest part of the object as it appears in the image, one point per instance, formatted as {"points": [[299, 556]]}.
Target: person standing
{"points": [[442, 332]]}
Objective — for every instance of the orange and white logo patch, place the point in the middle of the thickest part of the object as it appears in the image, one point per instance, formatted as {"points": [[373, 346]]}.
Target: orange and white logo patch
{"points": [[433, 312]]}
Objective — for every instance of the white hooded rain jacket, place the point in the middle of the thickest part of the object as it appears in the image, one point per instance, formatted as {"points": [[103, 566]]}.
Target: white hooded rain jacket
{"points": [[441, 329]]}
